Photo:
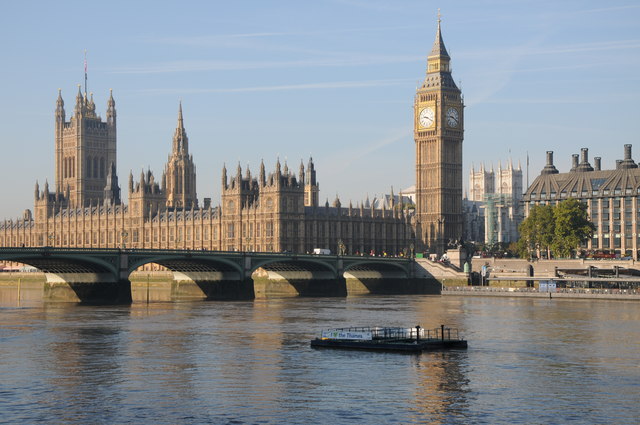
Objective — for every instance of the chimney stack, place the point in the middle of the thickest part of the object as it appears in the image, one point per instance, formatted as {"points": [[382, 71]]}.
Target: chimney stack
{"points": [[574, 162]]}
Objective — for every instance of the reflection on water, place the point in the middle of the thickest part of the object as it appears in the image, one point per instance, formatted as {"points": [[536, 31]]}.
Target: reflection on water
{"points": [[555, 361]]}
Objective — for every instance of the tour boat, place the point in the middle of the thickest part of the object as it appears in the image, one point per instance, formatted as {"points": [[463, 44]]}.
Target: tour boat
{"points": [[414, 339]]}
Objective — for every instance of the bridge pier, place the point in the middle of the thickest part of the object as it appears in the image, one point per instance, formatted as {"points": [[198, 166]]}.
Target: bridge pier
{"points": [[88, 288], [270, 283], [211, 286]]}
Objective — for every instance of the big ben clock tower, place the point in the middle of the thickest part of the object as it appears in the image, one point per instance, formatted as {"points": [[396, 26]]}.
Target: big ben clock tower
{"points": [[438, 132]]}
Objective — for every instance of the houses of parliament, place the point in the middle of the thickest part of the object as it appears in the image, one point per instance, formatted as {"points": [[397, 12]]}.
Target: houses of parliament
{"points": [[274, 212]]}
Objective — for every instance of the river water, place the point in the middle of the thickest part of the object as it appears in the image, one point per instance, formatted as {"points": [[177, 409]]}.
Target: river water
{"points": [[530, 361]]}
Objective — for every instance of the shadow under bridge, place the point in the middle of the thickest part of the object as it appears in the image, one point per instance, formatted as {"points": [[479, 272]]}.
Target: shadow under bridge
{"points": [[373, 275], [297, 276], [75, 275], [204, 277]]}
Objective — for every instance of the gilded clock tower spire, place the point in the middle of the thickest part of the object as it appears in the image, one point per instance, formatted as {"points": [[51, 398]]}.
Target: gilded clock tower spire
{"points": [[438, 134]]}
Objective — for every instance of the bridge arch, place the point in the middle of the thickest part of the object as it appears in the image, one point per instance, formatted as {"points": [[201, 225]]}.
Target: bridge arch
{"points": [[60, 263], [303, 264], [190, 262], [297, 276], [381, 267]]}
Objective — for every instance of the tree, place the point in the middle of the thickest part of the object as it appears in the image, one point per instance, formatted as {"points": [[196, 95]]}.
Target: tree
{"points": [[561, 228], [572, 227], [536, 231]]}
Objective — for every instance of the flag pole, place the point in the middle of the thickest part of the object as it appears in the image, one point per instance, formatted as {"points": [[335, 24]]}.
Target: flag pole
{"points": [[85, 72]]}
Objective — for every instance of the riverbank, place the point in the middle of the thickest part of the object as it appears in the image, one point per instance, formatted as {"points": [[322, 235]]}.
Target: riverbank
{"points": [[585, 293]]}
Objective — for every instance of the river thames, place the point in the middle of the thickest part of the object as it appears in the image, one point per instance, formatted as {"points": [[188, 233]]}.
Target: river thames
{"points": [[530, 361]]}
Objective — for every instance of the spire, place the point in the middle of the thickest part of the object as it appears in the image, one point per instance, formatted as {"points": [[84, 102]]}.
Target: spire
{"points": [[224, 176], [79, 100], [130, 181], [111, 103], [438, 69], [301, 173], [438, 45], [311, 173], [180, 139], [59, 101], [263, 179], [37, 191], [111, 109], [278, 172], [392, 201], [60, 116]]}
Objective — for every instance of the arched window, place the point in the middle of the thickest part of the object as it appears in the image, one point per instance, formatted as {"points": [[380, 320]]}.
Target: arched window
{"points": [[89, 166], [95, 168], [102, 175]]}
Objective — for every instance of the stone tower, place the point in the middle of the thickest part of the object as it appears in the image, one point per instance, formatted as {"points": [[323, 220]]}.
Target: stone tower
{"points": [[480, 183], [179, 179], [311, 187], [438, 134], [85, 149]]}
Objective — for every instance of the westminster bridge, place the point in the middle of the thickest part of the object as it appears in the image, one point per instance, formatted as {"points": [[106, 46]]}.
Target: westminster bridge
{"points": [[94, 275]]}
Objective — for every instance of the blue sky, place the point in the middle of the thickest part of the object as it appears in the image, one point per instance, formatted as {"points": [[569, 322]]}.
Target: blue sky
{"points": [[334, 79]]}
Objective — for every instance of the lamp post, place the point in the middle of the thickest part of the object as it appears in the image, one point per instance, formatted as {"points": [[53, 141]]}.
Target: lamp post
{"points": [[51, 239], [124, 235]]}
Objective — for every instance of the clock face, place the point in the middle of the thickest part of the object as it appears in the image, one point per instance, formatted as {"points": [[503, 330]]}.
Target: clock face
{"points": [[452, 117], [426, 117]]}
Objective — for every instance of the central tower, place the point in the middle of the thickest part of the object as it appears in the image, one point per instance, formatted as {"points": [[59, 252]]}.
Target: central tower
{"points": [[438, 133], [179, 180]]}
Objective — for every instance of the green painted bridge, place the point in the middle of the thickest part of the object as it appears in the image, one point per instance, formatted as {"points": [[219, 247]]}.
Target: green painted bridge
{"points": [[102, 275]]}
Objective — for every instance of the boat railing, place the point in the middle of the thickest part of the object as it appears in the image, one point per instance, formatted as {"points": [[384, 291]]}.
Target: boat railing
{"points": [[384, 334]]}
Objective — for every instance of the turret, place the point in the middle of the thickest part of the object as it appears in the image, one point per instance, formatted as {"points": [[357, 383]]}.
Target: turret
{"points": [[111, 110], [224, 176], [79, 103], [301, 174], [37, 191], [263, 179], [60, 114], [112, 189]]}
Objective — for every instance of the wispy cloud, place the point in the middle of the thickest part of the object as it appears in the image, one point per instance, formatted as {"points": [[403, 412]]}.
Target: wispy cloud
{"points": [[213, 65], [220, 39], [289, 87], [343, 159], [536, 49], [609, 9]]}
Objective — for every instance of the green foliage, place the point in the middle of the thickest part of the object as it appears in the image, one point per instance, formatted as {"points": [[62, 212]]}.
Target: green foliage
{"points": [[561, 229], [572, 226]]}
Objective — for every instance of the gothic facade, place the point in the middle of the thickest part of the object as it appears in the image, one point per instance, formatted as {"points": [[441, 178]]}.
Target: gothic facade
{"points": [[275, 212], [272, 212]]}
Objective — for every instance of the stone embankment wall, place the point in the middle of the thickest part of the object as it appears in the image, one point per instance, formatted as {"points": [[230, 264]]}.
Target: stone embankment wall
{"points": [[507, 267]]}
